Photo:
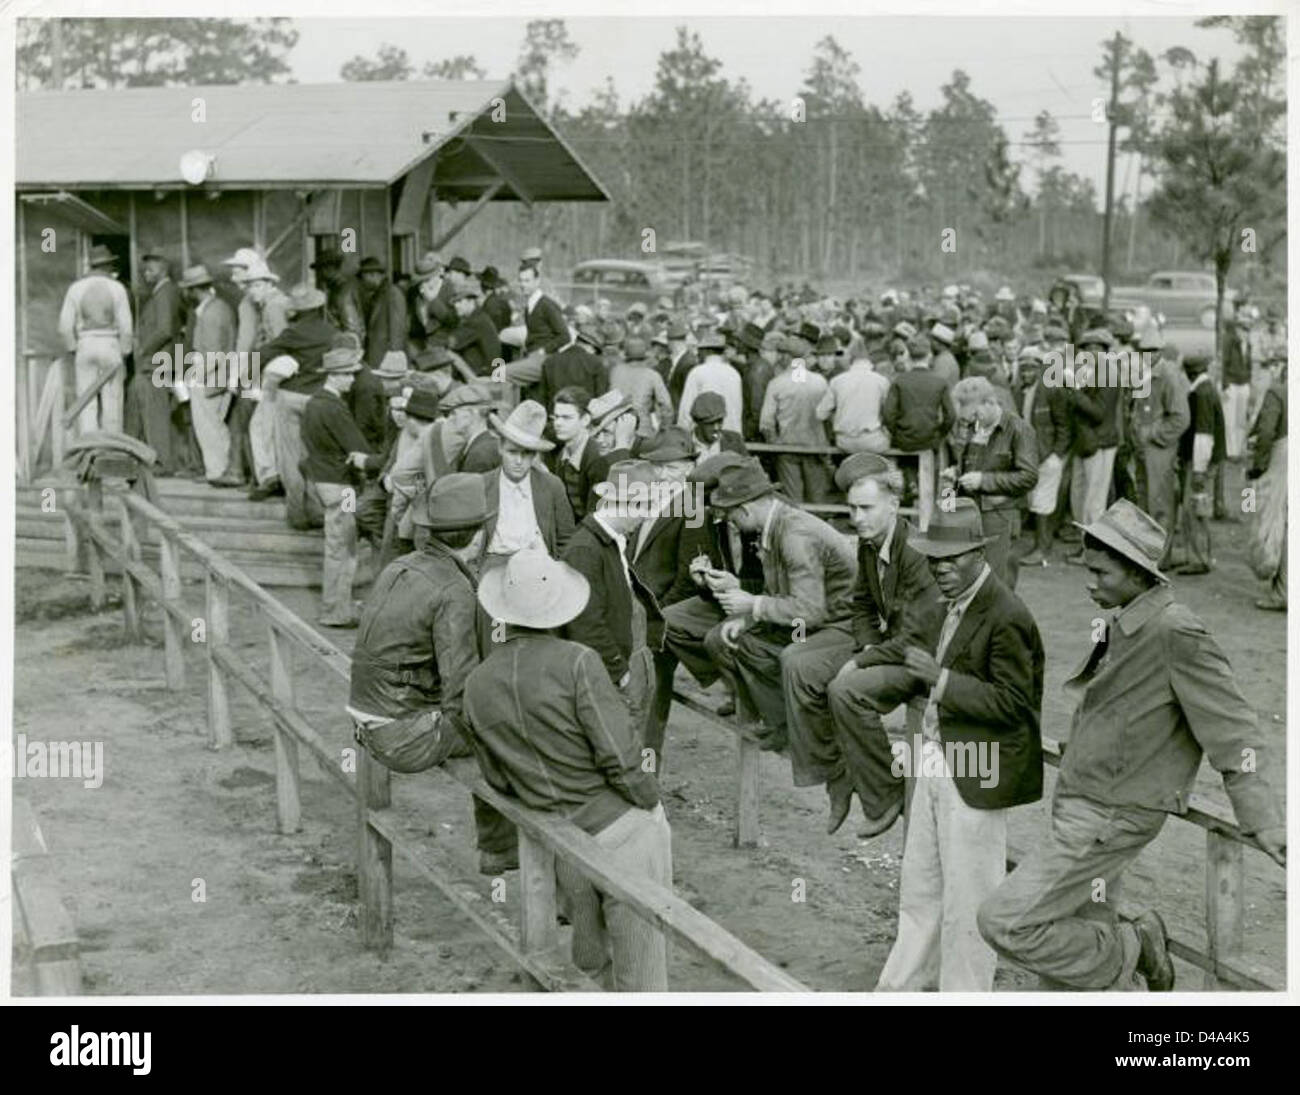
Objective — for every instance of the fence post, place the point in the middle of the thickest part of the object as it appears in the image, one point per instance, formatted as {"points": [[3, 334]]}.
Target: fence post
{"points": [[130, 553], [94, 561], [1224, 901], [218, 632], [747, 793], [538, 930], [374, 856], [287, 802], [924, 488], [170, 572]]}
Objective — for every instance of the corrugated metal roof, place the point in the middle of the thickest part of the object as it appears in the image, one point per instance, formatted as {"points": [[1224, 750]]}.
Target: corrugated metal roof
{"points": [[344, 134]]}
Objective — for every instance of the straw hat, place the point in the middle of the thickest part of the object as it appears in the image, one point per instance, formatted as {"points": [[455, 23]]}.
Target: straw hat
{"points": [[524, 426], [1132, 533], [533, 590]]}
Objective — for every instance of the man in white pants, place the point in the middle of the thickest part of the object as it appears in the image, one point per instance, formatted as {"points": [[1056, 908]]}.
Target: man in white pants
{"points": [[95, 325], [211, 331]]}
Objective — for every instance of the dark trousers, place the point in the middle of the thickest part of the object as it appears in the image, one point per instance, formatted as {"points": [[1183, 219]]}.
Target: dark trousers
{"points": [[239, 462], [807, 670], [686, 624], [804, 478], [148, 417], [753, 666], [1001, 552], [857, 703]]}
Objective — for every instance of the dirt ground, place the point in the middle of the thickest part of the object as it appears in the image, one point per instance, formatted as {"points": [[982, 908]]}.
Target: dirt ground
{"points": [[279, 911]]}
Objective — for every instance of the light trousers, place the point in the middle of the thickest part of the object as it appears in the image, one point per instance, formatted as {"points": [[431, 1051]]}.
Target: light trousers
{"points": [[1236, 424], [340, 568], [953, 860], [212, 432], [286, 409], [95, 353], [611, 943], [261, 441], [1090, 484]]}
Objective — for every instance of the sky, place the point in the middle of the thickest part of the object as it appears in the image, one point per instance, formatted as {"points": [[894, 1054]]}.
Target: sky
{"points": [[1020, 64]]}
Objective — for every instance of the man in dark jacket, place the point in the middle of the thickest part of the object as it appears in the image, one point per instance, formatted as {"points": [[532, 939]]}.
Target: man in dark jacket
{"points": [[475, 338], [158, 328], [1200, 451], [383, 307], [976, 658], [707, 415], [1099, 379], [996, 464], [291, 375], [918, 411], [575, 460], [621, 621], [550, 729], [495, 301], [336, 451], [415, 650], [575, 365], [343, 307], [836, 736], [1268, 473], [543, 317]]}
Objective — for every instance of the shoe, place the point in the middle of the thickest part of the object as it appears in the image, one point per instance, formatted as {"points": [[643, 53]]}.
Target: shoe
{"points": [[1154, 962], [1271, 604], [841, 794], [877, 825], [266, 490], [347, 622], [227, 481], [1034, 559], [494, 863]]}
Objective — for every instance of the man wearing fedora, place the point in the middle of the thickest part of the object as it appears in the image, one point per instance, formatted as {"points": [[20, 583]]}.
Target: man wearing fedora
{"points": [[550, 729], [432, 317], [613, 435], [384, 503], [662, 551], [412, 656], [475, 337], [644, 387], [809, 572], [975, 657], [758, 354], [95, 325], [158, 329], [343, 297], [531, 509], [383, 308], [833, 704], [496, 302], [475, 448], [1154, 693], [675, 365], [210, 331], [1157, 422], [713, 374], [622, 621], [291, 374], [335, 452], [995, 462]]}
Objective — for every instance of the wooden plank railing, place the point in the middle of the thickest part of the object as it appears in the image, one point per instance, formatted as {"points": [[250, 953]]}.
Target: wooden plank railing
{"points": [[47, 929], [533, 943], [39, 407]]}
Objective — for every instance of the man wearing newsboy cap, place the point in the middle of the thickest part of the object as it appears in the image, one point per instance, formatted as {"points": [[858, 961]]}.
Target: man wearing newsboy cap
{"points": [[975, 656], [1155, 693]]}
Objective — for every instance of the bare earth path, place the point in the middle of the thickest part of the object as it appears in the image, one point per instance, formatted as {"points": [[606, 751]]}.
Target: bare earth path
{"points": [[279, 912]]}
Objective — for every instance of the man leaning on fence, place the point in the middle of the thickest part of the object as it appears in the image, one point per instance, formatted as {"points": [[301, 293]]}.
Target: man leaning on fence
{"points": [[550, 729], [1155, 692], [415, 649]]}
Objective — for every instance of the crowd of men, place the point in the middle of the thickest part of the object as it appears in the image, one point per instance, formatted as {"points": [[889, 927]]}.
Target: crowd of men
{"points": [[565, 507]]}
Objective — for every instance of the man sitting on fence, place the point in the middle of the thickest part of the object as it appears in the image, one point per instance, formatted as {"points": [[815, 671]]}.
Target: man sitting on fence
{"points": [[416, 647], [550, 729], [1154, 692], [809, 570]]}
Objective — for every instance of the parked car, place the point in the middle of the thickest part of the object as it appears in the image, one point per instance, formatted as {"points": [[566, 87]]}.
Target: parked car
{"points": [[620, 281], [1089, 288], [1184, 297]]}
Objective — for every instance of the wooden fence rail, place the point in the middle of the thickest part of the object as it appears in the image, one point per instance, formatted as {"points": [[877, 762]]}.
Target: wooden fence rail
{"points": [[533, 945], [48, 933]]}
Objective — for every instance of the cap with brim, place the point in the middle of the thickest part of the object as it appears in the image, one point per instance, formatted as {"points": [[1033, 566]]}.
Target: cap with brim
{"points": [[456, 501], [153, 253], [102, 256], [607, 407], [1096, 336], [422, 404], [467, 395], [533, 590], [459, 265], [370, 265], [304, 298], [427, 266], [257, 271], [588, 334], [244, 256], [978, 340], [736, 486], [713, 341], [194, 277], [859, 466], [432, 357], [524, 426], [327, 260], [952, 531], [1132, 533], [940, 332], [708, 407], [710, 469], [627, 481]]}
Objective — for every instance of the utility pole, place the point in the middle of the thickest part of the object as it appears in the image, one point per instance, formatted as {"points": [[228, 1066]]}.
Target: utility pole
{"points": [[56, 53], [1112, 115]]}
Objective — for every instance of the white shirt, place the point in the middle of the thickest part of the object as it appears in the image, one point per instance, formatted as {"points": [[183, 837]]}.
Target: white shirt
{"points": [[517, 527], [713, 374]]}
